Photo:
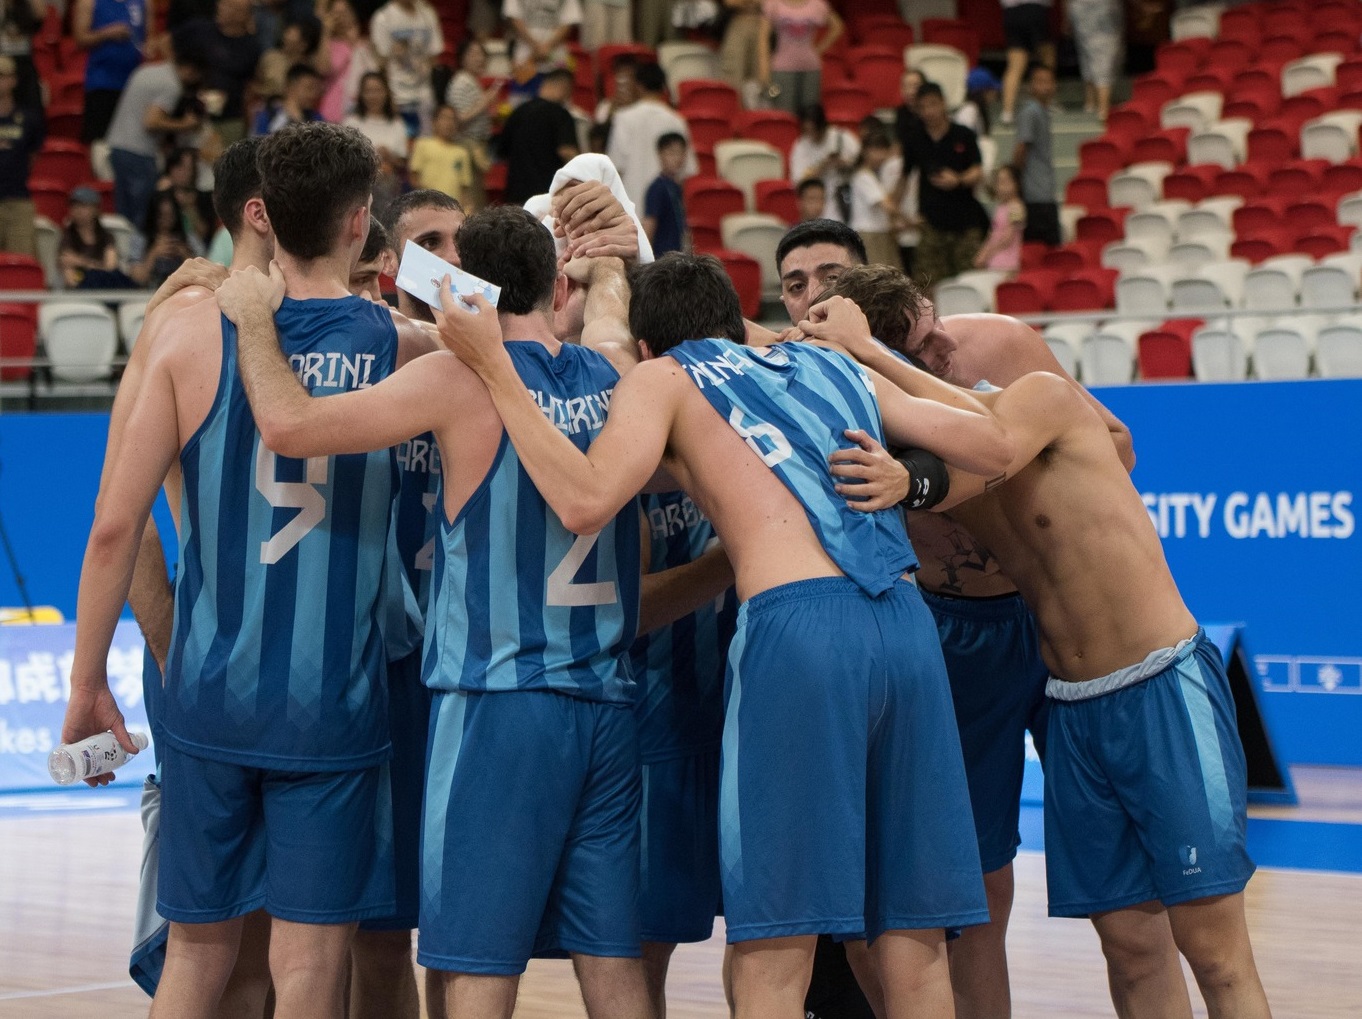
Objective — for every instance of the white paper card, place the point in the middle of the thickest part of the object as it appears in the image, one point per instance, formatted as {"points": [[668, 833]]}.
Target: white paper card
{"points": [[421, 272]]}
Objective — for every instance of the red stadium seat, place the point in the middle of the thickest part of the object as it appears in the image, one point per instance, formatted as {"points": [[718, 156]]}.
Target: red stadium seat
{"points": [[1299, 177], [778, 198], [1247, 181], [1252, 105], [1281, 19], [494, 182], [64, 120], [1241, 23], [887, 29], [775, 127], [584, 96], [1190, 183], [1210, 79], [1309, 214], [1334, 41], [18, 340], [708, 128], [1324, 240], [1283, 48], [706, 240], [1131, 121], [1091, 289], [847, 106], [1181, 57], [1166, 146], [1087, 190], [745, 272], [1342, 178], [1073, 257], [1103, 156], [50, 198], [19, 272], [1230, 54], [709, 95], [1253, 249], [1256, 216], [1274, 142], [66, 88], [710, 199], [1348, 75], [62, 160], [1029, 293], [1336, 15], [1155, 88], [878, 71], [1033, 254], [1166, 353], [952, 32], [1105, 225]]}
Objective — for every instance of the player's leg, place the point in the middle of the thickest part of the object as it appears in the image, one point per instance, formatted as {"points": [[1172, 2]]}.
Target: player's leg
{"points": [[612, 986], [770, 975], [481, 995], [199, 959], [382, 980], [1213, 934], [1143, 968], [862, 965], [435, 995], [915, 972], [657, 956], [978, 958], [308, 963], [247, 993]]}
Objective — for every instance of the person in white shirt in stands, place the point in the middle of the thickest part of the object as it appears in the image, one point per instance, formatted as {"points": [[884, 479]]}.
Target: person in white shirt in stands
{"points": [[826, 152], [407, 38], [377, 120], [541, 29], [635, 131], [873, 213], [606, 21]]}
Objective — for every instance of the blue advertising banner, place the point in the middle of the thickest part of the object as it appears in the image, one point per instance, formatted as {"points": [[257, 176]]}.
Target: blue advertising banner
{"points": [[35, 684]]}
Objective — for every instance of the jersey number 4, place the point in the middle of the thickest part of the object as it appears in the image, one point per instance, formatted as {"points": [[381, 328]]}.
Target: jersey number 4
{"points": [[562, 589], [303, 496]]}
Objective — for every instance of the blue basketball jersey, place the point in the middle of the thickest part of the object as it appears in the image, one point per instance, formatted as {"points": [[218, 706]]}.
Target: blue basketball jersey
{"points": [[277, 654], [518, 602], [680, 668], [792, 405], [418, 460]]}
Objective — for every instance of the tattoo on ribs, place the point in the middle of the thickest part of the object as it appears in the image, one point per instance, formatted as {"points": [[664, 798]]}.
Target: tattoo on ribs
{"points": [[966, 555]]}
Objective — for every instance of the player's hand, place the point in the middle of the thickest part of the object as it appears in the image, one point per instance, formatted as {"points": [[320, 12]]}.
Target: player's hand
{"points": [[196, 272], [839, 320], [871, 479], [91, 710], [249, 291], [586, 206], [589, 271], [791, 335], [620, 241], [469, 327]]}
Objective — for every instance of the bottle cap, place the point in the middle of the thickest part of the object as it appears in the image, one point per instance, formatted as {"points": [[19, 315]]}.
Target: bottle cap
{"points": [[139, 740]]}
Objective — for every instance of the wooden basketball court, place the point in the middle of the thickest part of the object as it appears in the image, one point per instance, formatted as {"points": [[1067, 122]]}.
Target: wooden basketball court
{"points": [[68, 886]]}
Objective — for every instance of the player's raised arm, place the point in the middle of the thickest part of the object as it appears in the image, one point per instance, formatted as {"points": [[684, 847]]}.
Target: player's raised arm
{"points": [[605, 315], [585, 490], [293, 423]]}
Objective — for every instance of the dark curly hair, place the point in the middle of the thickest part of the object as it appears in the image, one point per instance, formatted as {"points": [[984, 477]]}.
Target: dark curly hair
{"points": [[311, 178], [507, 246]]}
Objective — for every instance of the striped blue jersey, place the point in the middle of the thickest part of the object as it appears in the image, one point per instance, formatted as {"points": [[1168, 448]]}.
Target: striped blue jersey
{"points": [[680, 668], [277, 655], [792, 405], [517, 601], [413, 545]]}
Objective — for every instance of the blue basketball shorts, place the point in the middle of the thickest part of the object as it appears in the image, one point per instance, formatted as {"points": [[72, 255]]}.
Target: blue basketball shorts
{"points": [[409, 722], [843, 802], [1145, 787], [150, 929], [679, 894], [992, 653], [311, 847], [530, 842]]}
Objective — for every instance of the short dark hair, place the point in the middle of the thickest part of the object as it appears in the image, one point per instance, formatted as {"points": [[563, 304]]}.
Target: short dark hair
{"points": [[185, 50], [930, 88], [311, 177], [651, 78], [683, 297], [389, 111], [814, 114], [310, 28], [298, 71], [236, 180], [876, 138], [376, 243], [421, 198], [671, 138], [507, 246], [558, 74], [469, 41], [809, 183], [626, 62], [890, 300], [821, 231], [1035, 66]]}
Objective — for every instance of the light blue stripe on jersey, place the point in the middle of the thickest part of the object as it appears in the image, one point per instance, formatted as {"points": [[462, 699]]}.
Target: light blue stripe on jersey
{"points": [[1202, 716], [792, 406], [730, 820], [279, 663], [544, 609], [446, 731]]}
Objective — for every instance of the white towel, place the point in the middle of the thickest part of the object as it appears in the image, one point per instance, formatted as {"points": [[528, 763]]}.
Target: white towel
{"points": [[589, 166]]}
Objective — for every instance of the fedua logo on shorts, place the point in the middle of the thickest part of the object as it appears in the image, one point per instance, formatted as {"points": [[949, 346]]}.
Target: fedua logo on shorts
{"points": [[1189, 857], [1240, 515]]}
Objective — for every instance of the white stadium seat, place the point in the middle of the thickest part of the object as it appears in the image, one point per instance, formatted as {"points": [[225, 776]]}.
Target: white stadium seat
{"points": [[1328, 286], [1194, 254], [1223, 143], [1138, 186], [1270, 288], [969, 293], [1133, 253], [1314, 71], [80, 340], [683, 61], [47, 239], [1069, 215], [1195, 110], [945, 65], [1065, 340], [756, 234], [1282, 352], [1200, 22], [131, 314], [1214, 287], [1108, 355], [1338, 350], [1332, 136], [1350, 210], [743, 162], [1219, 354], [1145, 291]]}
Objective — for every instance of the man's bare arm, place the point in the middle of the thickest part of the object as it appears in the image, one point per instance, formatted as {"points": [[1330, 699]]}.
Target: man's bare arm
{"points": [[605, 316], [151, 597], [586, 491], [673, 594]]}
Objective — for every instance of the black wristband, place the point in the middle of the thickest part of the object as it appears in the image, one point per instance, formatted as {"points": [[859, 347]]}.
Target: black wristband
{"points": [[928, 480]]}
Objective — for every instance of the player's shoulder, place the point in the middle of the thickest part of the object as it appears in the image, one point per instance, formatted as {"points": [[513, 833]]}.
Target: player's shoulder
{"points": [[185, 320], [998, 347]]}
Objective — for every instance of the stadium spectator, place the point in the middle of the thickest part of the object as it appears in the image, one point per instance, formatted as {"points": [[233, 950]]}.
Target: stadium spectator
{"points": [[1032, 157], [298, 105], [196, 207], [949, 164], [20, 21], [906, 120], [87, 254], [654, 23], [142, 120], [664, 206], [439, 162], [539, 137], [824, 152], [182, 12], [873, 212], [1026, 28], [349, 57], [301, 42], [474, 105], [407, 38], [273, 16], [634, 133], [541, 29], [114, 32], [167, 244], [738, 51], [484, 18], [606, 21], [1096, 28], [22, 130], [377, 120], [231, 53], [981, 90], [793, 74], [1002, 248], [626, 88], [811, 196]]}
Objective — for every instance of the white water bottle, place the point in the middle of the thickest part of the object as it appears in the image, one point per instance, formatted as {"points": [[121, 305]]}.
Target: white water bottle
{"points": [[97, 755]]}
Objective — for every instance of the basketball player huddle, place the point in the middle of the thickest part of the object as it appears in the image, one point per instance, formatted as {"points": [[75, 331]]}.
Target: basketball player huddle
{"points": [[436, 657]]}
